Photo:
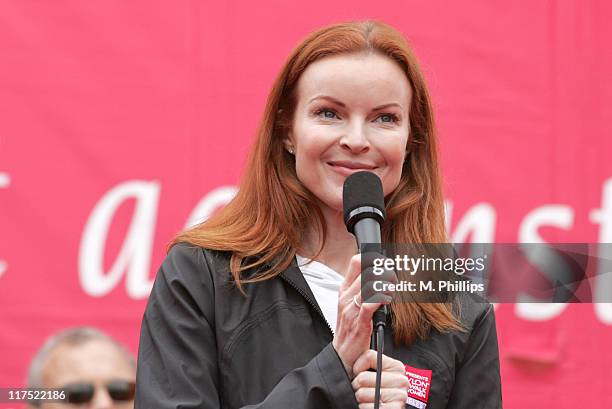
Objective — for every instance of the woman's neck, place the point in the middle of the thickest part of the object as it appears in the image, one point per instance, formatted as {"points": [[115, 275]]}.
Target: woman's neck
{"points": [[339, 247]]}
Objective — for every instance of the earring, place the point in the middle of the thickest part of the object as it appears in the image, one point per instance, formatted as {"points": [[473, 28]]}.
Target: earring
{"points": [[290, 150]]}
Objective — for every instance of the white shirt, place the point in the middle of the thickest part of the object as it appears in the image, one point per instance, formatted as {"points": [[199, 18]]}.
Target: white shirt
{"points": [[324, 284]]}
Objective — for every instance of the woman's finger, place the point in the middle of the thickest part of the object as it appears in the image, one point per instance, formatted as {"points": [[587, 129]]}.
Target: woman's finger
{"points": [[367, 360], [354, 270], [366, 395], [367, 379], [384, 405]]}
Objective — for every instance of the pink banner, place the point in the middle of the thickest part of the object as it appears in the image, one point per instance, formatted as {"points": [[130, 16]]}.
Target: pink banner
{"points": [[123, 122]]}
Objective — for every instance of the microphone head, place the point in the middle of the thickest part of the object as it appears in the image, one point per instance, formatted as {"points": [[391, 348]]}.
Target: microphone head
{"points": [[362, 196]]}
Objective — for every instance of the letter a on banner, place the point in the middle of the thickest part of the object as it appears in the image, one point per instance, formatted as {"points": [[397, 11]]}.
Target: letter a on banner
{"points": [[135, 254]]}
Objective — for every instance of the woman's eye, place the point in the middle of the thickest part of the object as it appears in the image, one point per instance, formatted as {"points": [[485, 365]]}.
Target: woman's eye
{"points": [[388, 118], [326, 113]]}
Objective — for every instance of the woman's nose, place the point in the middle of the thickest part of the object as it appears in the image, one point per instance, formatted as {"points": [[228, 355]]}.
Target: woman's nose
{"points": [[355, 139]]}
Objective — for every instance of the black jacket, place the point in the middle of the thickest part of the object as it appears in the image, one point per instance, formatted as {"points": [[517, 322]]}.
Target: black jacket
{"points": [[205, 345]]}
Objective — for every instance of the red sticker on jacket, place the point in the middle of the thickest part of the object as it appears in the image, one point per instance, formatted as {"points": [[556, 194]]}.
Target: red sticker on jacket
{"points": [[419, 381]]}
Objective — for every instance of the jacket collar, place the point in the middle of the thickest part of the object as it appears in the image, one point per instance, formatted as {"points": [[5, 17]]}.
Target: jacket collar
{"points": [[295, 277]]}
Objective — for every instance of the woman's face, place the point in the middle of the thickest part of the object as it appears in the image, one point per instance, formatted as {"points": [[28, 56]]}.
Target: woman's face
{"points": [[351, 115]]}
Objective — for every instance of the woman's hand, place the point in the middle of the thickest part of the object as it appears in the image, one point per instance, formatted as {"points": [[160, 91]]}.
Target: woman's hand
{"points": [[393, 384], [354, 324]]}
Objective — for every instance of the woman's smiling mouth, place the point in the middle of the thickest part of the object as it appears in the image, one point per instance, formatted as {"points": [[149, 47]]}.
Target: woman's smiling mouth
{"points": [[349, 167]]}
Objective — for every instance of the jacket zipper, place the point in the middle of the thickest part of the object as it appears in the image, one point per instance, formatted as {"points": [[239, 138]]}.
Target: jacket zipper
{"points": [[311, 302]]}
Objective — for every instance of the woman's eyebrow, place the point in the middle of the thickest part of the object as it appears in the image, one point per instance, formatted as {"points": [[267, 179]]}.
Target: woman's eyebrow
{"points": [[338, 102], [327, 97], [392, 104]]}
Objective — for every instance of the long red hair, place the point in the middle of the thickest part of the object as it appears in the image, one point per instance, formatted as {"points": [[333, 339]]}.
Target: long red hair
{"points": [[263, 225]]}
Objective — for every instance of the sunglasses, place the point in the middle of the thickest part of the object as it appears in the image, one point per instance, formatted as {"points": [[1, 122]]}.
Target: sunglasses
{"points": [[83, 392]]}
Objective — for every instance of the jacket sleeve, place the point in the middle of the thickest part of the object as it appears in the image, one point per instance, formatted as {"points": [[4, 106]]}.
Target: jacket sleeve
{"points": [[477, 380], [177, 357]]}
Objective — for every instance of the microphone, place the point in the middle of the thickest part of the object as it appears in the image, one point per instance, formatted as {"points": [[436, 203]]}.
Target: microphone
{"points": [[364, 212]]}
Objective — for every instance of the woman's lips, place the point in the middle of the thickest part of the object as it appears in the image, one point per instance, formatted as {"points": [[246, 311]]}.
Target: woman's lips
{"points": [[348, 168]]}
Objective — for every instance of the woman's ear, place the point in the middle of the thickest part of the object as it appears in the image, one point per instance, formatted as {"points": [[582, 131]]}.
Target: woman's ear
{"points": [[409, 146], [288, 144]]}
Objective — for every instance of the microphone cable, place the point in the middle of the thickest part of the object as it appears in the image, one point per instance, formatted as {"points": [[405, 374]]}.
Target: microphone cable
{"points": [[378, 335]]}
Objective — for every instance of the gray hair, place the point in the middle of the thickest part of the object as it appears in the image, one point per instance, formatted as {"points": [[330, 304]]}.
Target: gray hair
{"points": [[72, 336]]}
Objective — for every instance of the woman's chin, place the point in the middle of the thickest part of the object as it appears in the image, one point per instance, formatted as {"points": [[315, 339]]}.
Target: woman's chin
{"points": [[332, 206]]}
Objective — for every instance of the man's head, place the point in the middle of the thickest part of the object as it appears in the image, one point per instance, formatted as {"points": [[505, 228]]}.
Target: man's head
{"points": [[94, 369]]}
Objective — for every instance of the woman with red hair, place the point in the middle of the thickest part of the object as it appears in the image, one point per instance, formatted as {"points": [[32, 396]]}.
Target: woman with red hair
{"points": [[259, 306]]}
